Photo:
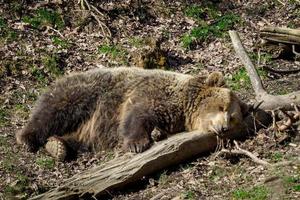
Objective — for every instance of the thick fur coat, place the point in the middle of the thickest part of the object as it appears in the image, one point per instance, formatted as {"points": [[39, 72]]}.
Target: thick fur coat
{"points": [[103, 108]]}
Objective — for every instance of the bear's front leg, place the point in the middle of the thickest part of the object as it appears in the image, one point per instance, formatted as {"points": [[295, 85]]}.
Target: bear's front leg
{"points": [[136, 125]]}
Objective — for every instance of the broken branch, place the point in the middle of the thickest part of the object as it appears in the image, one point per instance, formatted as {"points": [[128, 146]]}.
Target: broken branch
{"points": [[241, 151], [269, 101]]}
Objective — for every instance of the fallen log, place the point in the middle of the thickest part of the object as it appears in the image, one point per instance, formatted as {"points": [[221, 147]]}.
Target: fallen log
{"points": [[281, 35], [130, 168], [282, 30]]}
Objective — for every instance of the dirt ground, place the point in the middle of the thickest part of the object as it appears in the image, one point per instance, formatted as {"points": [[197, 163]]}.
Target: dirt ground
{"points": [[41, 41]]}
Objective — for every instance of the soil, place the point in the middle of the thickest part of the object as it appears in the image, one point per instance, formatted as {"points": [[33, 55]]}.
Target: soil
{"points": [[36, 47]]}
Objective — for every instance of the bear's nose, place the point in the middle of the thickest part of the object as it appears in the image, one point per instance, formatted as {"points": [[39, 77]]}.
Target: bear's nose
{"points": [[224, 128]]}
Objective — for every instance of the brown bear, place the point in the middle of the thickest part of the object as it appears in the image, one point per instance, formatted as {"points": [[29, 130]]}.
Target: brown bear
{"points": [[102, 108]]}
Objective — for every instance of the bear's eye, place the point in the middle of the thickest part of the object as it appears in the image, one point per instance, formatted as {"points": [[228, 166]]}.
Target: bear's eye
{"points": [[221, 108]]}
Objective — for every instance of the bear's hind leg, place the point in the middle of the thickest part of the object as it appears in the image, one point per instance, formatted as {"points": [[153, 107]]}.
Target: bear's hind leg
{"points": [[59, 111]]}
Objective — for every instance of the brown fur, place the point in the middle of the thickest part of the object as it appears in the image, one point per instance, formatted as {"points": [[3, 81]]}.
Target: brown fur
{"points": [[103, 108]]}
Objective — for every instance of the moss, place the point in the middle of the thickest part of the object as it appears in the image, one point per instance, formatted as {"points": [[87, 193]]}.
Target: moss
{"points": [[189, 195], [45, 17], [51, 64], [204, 31], [4, 117], [45, 162], [255, 193], [114, 52], [7, 34], [239, 79]]}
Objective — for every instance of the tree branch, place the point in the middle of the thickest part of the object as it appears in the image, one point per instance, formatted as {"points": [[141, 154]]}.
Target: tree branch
{"points": [[269, 101]]}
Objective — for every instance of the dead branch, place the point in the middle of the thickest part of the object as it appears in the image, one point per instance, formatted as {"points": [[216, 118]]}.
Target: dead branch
{"points": [[285, 123], [269, 101], [97, 15], [241, 151]]}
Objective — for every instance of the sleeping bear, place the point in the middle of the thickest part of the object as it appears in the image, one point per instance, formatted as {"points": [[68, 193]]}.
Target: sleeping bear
{"points": [[108, 108]]}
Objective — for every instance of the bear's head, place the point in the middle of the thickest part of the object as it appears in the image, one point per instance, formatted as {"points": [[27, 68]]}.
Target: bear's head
{"points": [[210, 107]]}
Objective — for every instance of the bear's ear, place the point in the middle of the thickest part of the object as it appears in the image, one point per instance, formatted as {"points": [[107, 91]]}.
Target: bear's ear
{"points": [[215, 79], [245, 108]]}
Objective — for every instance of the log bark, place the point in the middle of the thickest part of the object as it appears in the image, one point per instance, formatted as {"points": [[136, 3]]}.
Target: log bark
{"points": [[130, 168], [282, 30], [268, 101], [281, 35]]}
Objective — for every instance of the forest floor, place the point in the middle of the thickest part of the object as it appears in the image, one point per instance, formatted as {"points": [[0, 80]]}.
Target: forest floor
{"points": [[42, 41]]}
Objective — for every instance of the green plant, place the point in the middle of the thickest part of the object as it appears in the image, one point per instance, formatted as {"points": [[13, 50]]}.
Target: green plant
{"points": [[256, 193], [136, 41], [44, 17], [60, 42], [189, 195], [163, 178], [113, 51], [292, 182], [46, 162], [21, 110], [194, 11], [217, 173], [38, 74], [276, 156], [187, 40], [51, 64], [7, 33], [19, 187], [3, 117], [201, 12], [239, 79], [204, 31]]}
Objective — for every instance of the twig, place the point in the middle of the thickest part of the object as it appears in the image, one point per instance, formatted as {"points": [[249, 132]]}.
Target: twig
{"points": [[104, 29], [241, 151], [255, 159], [294, 50], [53, 29], [285, 124], [251, 155], [281, 2], [297, 113]]}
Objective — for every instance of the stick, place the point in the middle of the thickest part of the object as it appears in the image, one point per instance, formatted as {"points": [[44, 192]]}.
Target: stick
{"points": [[255, 159], [241, 151]]}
